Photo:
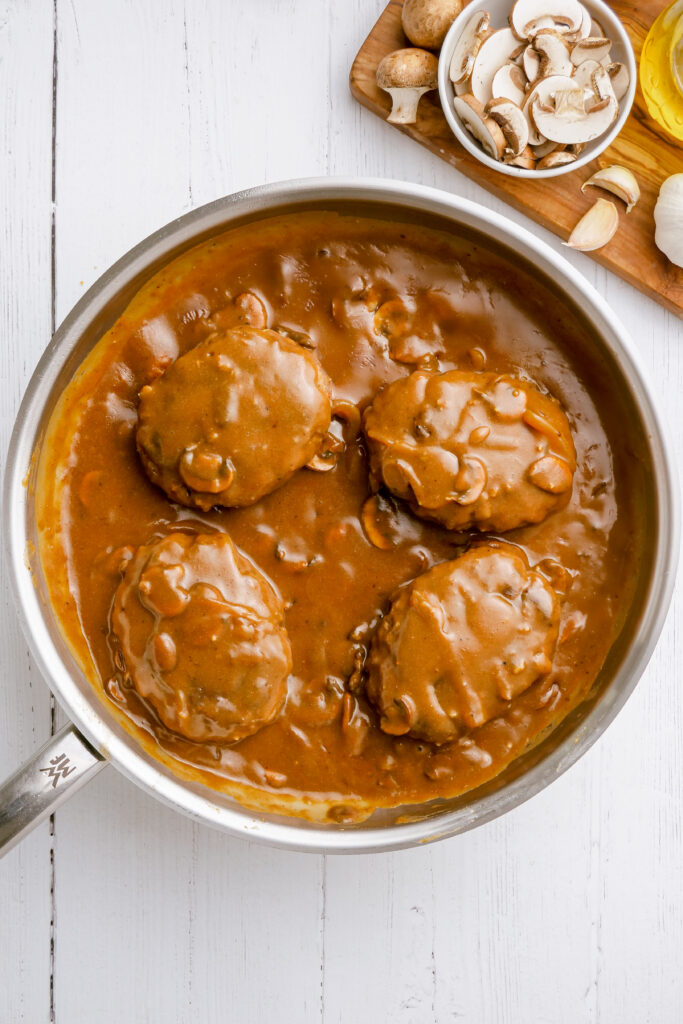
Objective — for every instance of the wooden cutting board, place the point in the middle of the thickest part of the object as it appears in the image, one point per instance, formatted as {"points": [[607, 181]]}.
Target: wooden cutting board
{"points": [[556, 203]]}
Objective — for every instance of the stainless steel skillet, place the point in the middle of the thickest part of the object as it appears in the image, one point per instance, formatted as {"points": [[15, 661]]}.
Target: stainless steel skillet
{"points": [[94, 738]]}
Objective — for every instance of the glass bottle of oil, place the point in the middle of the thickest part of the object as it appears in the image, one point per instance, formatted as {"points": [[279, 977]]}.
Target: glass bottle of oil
{"points": [[661, 70]]}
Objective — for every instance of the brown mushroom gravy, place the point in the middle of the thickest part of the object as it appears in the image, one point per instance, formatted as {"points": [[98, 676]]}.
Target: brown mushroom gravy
{"points": [[175, 627]]}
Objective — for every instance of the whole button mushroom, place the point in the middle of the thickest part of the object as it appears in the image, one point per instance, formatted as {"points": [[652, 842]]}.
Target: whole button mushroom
{"points": [[407, 75], [426, 22]]}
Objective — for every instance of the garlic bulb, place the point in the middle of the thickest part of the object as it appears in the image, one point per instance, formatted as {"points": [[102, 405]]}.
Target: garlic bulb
{"points": [[669, 219]]}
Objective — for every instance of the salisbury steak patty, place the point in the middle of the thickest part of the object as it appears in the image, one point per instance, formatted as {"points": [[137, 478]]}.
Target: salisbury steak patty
{"points": [[199, 632], [460, 641], [471, 449], [233, 418]]}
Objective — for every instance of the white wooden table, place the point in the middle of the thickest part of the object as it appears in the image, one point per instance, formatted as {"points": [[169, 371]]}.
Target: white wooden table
{"points": [[117, 115]]}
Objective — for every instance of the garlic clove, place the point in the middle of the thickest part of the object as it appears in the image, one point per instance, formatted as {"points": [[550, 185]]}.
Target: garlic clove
{"points": [[669, 219], [595, 227], [618, 180]]}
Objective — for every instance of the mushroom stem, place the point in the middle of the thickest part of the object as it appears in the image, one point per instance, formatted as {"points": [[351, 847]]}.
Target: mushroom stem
{"points": [[404, 104]]}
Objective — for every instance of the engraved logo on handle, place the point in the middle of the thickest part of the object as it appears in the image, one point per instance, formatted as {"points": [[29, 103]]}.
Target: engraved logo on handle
{"points": [[60, 767]]}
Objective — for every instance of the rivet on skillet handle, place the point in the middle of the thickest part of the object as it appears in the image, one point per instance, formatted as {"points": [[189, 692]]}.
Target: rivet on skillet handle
{"points": [[55, 772]]}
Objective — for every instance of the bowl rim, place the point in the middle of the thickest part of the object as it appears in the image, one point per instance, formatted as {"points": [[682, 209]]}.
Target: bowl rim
{"points": [[85, 708], [603, 13]]}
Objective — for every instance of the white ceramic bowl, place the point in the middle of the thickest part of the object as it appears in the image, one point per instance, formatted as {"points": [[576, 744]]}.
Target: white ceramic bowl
{"points": [[499, 10]]}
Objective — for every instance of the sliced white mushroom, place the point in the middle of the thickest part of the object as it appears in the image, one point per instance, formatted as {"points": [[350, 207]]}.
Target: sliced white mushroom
{"points": [[465, 71], [545, 21], [602, 88], [509, 83], [407, 75], [496, 50], [618, 180], [577, 148], [595, 227], [554, 53], [592, 48], [570, 103], [467, 46], [513, 124], [484, 129], [561, 113], [544, 148], [596, 28], [583, 76], [525, 15], [584, 29], [544, 90], [531, 62], [535, 137], [586, 23], [619, 77], [561, 25], [460, 88], [557, 159], [526, 159]]}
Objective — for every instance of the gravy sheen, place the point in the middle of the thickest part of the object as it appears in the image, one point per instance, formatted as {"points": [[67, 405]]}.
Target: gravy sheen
{"points": [[373, 300]]}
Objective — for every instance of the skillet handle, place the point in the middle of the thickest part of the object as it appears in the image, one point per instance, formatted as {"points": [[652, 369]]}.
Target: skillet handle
{"points": [[64, 764]]}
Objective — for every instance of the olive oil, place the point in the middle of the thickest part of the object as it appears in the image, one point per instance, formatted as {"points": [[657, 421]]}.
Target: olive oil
{"points": [[661, 70]]}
